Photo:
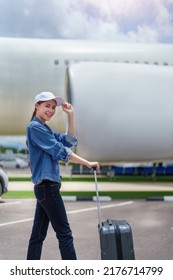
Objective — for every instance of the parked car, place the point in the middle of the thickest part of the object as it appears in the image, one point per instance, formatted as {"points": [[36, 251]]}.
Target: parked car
{"points": [[13, 163], [3, 182]]}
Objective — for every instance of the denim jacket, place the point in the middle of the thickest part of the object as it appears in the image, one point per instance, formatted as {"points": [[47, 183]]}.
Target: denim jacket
{"points": [[46, 148]]}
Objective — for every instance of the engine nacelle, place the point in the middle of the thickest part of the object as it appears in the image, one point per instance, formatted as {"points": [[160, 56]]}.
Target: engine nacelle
{"points": [[3, 182], [123, 111]]}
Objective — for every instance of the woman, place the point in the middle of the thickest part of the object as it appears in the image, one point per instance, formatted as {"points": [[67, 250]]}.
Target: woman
{"points": [[46, 148]]}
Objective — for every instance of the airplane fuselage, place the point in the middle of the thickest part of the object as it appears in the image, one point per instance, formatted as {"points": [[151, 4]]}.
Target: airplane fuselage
{"points": [[29, 66]]}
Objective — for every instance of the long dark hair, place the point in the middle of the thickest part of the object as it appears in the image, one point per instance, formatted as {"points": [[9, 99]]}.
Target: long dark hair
{"points": [[33, 115], [35, 110]]}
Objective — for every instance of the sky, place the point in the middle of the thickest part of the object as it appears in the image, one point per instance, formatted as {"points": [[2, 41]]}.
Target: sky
{"points": [[148, 21]]}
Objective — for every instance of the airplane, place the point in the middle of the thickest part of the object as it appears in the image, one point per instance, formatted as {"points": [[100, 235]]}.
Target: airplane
{"points": [[121, 93]]}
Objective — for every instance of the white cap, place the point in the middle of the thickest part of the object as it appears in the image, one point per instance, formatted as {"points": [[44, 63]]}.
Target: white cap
{"points": [[44, 96]]}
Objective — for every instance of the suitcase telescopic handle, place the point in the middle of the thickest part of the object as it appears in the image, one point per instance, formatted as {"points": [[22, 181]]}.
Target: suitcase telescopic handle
{"points": [[94, 167], [97, 197]]}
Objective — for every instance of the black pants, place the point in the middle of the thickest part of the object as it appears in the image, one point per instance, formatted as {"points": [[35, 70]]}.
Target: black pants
{"points": [[50, 207]]}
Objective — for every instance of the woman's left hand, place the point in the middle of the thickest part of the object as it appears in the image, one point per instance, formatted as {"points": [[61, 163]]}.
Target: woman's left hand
{"points": [[67, 108]]}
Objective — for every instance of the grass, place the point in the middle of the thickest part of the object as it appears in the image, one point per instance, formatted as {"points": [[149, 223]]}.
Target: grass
{"points": [[101, 178], [89, 178], [113, 195]]}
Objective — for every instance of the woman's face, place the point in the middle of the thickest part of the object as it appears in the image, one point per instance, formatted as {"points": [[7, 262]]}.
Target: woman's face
{"points": [[46, 110]]}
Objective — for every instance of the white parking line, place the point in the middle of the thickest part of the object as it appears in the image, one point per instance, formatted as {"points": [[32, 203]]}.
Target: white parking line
{"points": [[72, 212], [9, 203], [16, 222], [102, 207]]}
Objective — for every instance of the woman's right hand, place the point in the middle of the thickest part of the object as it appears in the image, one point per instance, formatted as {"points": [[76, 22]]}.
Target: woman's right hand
{"points": [[92, 164]]}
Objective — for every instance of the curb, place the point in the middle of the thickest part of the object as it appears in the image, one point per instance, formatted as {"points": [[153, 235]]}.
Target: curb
{"points": [[160, 198], [85, 198]]}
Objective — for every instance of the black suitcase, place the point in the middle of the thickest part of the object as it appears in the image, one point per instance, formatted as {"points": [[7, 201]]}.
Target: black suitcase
{"points": [[116, 239]]}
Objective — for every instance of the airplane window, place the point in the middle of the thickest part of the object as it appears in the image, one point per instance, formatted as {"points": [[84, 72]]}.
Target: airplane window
{"points": [[56, 62], [156, 63], [165, 63], [66, 62]]}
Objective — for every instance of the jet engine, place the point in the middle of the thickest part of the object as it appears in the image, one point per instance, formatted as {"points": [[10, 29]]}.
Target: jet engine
{"points": [[123, 111]]}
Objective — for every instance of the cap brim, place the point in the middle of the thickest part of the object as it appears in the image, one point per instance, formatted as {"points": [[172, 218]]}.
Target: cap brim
{"points": [[59, 100]]}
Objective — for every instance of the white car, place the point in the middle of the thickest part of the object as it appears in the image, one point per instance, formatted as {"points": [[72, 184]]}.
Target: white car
{"points": [[3, 182], [13, 163]]}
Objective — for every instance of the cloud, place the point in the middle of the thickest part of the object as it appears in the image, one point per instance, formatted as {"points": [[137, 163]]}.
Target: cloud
{"points": [[120, 20], [148, 20]]}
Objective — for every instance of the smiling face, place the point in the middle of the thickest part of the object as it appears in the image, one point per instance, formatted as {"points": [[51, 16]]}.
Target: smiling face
{"points": [[46, 110]]}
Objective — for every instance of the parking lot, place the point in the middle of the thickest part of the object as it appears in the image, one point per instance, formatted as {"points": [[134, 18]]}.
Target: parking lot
{"points": [[151, 222]]}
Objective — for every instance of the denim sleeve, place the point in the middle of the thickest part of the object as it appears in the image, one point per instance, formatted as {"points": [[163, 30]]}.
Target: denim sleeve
{"points": [[46, 141], [66, 139]]}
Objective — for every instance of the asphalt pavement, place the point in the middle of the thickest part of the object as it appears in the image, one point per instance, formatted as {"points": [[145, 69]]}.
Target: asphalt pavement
{"points": [[151, 222]]}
